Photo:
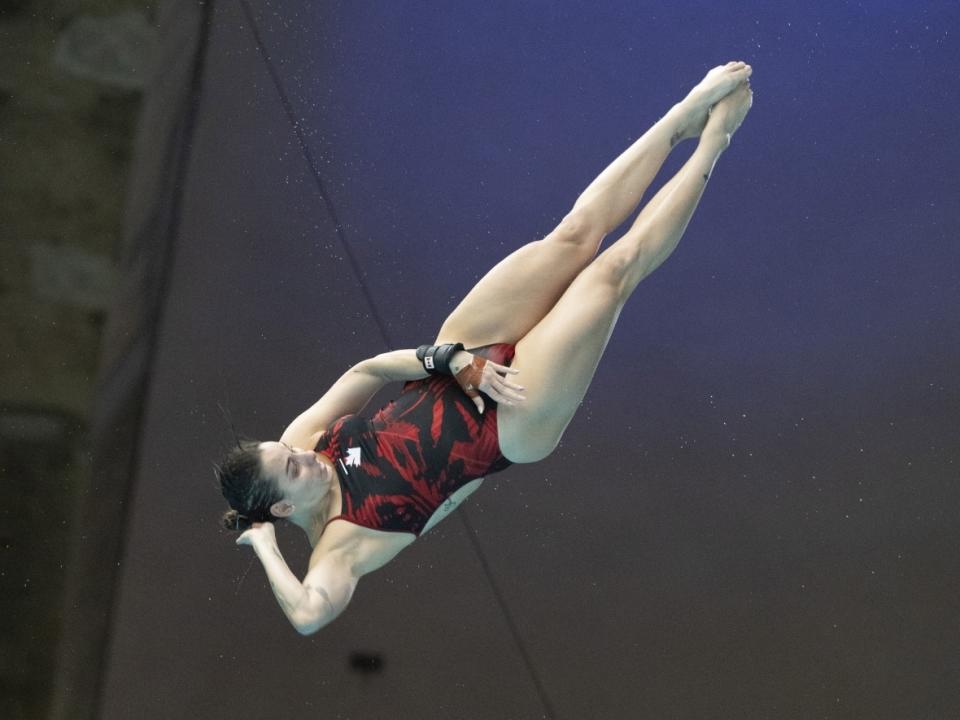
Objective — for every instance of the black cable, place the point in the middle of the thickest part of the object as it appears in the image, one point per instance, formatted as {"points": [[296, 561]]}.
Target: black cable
{"points": [[478, 549], [308, 156], [514, 630]]}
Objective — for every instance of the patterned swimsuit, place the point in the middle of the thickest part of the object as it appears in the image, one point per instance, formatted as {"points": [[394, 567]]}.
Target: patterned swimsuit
{"points": [[398, 467]]}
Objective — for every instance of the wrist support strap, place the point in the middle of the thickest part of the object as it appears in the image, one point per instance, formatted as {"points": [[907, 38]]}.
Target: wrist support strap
{"points": [[436, 359]]}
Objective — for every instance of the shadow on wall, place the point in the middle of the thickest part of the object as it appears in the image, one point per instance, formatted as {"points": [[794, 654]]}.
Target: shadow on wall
{"points": [[69, 100]]}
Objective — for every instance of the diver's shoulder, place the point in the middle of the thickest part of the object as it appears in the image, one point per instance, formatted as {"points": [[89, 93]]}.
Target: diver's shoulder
{"points": [[365, 549]]}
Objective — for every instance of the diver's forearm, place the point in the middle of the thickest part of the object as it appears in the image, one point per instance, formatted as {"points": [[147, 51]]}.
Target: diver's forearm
{"points": [[403, 365], [398, 365], [288, 590]]}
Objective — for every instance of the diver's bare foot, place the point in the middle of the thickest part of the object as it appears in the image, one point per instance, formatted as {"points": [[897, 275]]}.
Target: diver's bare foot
{"points": [[728, 114], [692, 112]]}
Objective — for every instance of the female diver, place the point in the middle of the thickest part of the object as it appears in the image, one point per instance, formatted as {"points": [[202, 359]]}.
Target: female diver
{"points": [[541, 317]]}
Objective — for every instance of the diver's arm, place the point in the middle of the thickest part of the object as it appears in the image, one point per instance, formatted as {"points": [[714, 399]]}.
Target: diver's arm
{"points": [[355, 388], [479, 374], [396, 366], [348, 395], [403, 365], [309, 605]]}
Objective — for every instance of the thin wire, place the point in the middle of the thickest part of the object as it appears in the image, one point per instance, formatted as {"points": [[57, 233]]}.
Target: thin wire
{"points": [[381, 326], [514, 630], [308, 156], [244, 576]]}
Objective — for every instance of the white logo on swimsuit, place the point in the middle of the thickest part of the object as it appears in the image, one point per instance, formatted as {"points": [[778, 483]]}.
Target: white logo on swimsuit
{"points": [[353, 456]]}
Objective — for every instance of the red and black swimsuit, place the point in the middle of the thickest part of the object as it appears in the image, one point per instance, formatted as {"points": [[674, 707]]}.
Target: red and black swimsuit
{"points": [[398, 467]]}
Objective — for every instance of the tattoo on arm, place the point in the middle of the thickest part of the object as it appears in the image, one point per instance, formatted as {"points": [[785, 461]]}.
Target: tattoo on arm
{"points": [[322, 593]]}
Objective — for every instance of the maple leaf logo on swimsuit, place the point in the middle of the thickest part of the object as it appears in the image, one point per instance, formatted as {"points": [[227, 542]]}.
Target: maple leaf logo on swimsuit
{"points": [[353, 456]]}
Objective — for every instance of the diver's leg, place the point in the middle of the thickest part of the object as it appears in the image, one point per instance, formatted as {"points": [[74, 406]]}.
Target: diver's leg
{"points": [[558, 357], [520, 290], [617, 190]]}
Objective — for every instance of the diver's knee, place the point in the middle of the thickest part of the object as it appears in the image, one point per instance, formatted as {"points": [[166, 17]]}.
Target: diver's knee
{"points": [[527, 448], [579, 230]]}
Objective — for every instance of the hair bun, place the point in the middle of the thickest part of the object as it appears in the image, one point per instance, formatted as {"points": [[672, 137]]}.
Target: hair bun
{"points": [[232, 520]]}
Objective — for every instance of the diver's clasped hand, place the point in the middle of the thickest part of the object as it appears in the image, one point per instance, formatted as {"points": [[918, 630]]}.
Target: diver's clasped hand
{"points": [[474, 374], [258, 533], [478, 374]]}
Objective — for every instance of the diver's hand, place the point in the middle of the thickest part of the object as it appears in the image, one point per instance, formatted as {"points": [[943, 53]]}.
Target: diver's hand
{"points": [[475, 374], [258, 534]]}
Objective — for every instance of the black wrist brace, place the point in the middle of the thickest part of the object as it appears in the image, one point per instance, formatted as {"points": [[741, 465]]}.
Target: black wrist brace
{"points": [[436, 359]]}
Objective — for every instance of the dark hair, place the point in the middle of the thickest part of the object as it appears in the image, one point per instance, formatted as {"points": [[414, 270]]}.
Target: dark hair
{"points": [[243, 484]]}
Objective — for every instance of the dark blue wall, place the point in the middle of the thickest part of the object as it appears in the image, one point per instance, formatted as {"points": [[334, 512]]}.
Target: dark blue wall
{"points": [[754, 513]]}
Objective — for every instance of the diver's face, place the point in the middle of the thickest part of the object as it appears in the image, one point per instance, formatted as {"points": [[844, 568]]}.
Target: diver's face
{"points": [[303, 476]]}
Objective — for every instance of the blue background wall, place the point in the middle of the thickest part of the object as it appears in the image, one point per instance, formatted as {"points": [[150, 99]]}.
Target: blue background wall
{"points": [[754, 512]]}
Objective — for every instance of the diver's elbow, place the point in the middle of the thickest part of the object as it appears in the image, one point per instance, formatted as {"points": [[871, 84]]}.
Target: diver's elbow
{"points": [[307, 624], [303, 625]]}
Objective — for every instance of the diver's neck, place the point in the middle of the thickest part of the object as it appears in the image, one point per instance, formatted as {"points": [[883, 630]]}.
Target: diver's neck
{"points": [[314, 520]]}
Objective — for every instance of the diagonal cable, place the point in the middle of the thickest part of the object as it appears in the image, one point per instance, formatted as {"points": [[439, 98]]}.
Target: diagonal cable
{"points": [[308, 156], [508, 617], [381, 326]]}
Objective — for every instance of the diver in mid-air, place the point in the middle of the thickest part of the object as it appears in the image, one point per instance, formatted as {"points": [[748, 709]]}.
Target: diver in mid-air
{"points": [[499, 385]]}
